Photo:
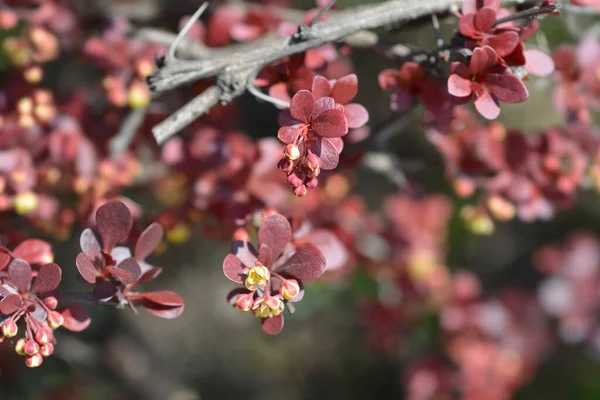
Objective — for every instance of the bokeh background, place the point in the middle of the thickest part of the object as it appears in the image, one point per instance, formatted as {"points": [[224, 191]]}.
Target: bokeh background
{"points": [[214, 352]]}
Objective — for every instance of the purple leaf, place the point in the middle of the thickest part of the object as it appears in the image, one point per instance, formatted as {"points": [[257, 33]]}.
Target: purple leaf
{"points": [[308, 263], [86, 268], [10, 304], [76, 318], [114, 221], [329, 154], [330, 123], [119, 273], [272, 325], [302, 105], [276, 233], [506, 88], [89, 244], [265, 255], [148, 241], [232, 268], [34, 251], [132, 267], [19, 272], [345, 89], [47, 279], [104, 290]]}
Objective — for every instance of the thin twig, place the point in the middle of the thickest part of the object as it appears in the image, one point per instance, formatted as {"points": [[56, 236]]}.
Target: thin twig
{"points": [[234, 69], [129, 128], [439, 41], [170, 56], [256, 92], [321, 12]]}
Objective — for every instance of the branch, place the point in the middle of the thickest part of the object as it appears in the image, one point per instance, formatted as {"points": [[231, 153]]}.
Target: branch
{"points": [[233, 69], [129, 128]]}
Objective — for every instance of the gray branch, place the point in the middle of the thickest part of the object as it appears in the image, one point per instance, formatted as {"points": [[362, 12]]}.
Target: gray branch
{"points": [[233, 69]]}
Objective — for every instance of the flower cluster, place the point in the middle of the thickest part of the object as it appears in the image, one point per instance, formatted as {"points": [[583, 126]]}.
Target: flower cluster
{"points": [[272, 277]]}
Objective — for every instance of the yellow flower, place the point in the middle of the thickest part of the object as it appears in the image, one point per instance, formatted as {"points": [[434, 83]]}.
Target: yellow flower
{"points": [[258, 276]]}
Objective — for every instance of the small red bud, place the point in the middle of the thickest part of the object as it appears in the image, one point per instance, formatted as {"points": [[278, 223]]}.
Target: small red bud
{"points": [[294, 180], [51, 302], [313, 173], [311, 183], [10, 328], [34, 361], [289, 289], [31, 347], [312, 161], [285, 165], [245, 301], [47, 350], [55, 319], [19, 346], [292, 152], [300, 191], [43, 336]]}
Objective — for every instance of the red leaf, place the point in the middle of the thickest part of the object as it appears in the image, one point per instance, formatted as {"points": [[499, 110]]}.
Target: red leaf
{"points": [[506, 88], [288, 134], [356, 115], [458, 86], [47, 279], [19, 272], [119, 273], [265, 255], [148, 275], [321, 87], [133, 269], [148, 241], [272, 325], [10, 304], [308, 263], [330, 123], [86, 268], [5, 258], [164, 304], [114, 221], [232, 268], [466, 25], [104, 290], [483, 58], [504, 43], [34, 251], [89, 244], [484, 19], [329, 154], [164, 298], [76, 317], [345, 89], [323, 104], [276, 233], [302, 106]]}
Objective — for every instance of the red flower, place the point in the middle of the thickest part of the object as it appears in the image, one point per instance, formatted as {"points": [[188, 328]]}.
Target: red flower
{"points": [[272, 276], [484, 69]]}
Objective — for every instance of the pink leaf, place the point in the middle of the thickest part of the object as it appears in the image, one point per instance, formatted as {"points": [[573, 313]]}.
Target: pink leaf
{"points": [[34, 251], [273, 325], [506, 88], [302, 106], [288, 134], [308, 263], [10, 304], [321, 105], [458, 86], [47, 279], [466, 25], [356, 115], [245, 252], [483, 58], [114, 221], [76, 317], [487, 105], [321, 87], [19, 272], [345, 89], [232, 268], [276, 233], [336, 255], [504, 43], [538, 63], [484, 19], [148, 241], [86, 268], [89, 244], [330, 123]]}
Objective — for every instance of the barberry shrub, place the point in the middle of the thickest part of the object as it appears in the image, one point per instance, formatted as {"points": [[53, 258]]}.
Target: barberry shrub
{"points": [[435, 185]]}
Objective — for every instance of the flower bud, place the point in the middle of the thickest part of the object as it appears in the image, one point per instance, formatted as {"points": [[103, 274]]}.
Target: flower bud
{"points": [[313, 173], [311, 183], [55, 319], [245, 301], [9, 328], [34, 361], [312, 161], [289, 289], [300, 191], [51, 302], [294, 180], [292, 152], [47, 350], [20, 346], [31, 347], [43, 335], [285, 165]]}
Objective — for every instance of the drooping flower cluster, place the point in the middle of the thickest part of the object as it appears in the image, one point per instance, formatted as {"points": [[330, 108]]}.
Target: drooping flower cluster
{"points": [[272, 276], [313, 129]]}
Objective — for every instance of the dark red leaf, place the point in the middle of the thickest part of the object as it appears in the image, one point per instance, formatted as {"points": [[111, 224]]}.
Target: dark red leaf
{"points": [[506, 88], [148, 275], [19, 272], [47, 279], [148, 241], [302, 105], [34, 251], [164, 304], [5, 258], [119, 273], [76, 317], [272, 325], [323, 104], [232, 268], [104, 290], [288, 134], [133, 269], [308, 263], [86, 268], [10, 304], [89, 244], [345, 89], [329, 154], [265, 255], [114, 221], [330, 123], [276, 233]]}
